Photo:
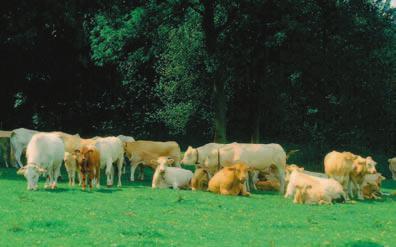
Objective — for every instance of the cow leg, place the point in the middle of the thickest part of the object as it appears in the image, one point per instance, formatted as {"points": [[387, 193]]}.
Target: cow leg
{"points": [[358, 189], [281, 172], [73, 177], [133, 169], [254, 177], [244, 191], [18, 154], [175, 186], [55, 178], [109, 173], [393, 173], [120, 164], [290, 190], [83, 178], [141, 167], [97, 177]]}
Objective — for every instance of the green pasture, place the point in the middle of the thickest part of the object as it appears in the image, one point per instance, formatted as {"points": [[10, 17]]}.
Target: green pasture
{"points": [[137, 215]]}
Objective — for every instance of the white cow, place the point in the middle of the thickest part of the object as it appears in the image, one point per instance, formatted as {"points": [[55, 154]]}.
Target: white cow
{"points": [[19, 139], [258, 157], [316, 189], [111, 151], [165, 176], [197, 156], [44, 155]]}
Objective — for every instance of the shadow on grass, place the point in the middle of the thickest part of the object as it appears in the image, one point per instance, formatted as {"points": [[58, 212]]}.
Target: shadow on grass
{"points": [[362, 243]]}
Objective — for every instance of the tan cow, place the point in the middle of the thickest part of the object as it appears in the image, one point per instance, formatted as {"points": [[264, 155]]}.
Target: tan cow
{"points": [[72, 142], [72, 168], [371, 186], [392, 167], [230, 180], [313, 190], [200, 179], [142, 152], [259, 157], [348, 168]]}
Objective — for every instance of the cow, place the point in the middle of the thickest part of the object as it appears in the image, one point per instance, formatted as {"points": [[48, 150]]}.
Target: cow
{"points": [[44, 153], [197, 156], [70, 160], [111, 151], [126, 138], [230, 180], [72, 142], [258, 157], [392, 167], [313, 190], [200, 179], [165, 176], [371, 186], [88, 161], [19, 140], [142, 152]]}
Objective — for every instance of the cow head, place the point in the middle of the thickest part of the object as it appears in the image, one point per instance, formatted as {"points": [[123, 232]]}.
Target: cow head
{"points": [[190, 156], [32, 173], [162, 163], [289, 169], [241, 171], [370, 165]]}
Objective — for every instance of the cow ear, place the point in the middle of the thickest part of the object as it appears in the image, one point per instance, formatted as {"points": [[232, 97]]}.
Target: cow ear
{"points": [[170, 161], [21, 171]]}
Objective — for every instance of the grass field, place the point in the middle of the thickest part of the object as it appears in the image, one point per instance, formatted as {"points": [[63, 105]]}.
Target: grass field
{"points": [[137, 215]]}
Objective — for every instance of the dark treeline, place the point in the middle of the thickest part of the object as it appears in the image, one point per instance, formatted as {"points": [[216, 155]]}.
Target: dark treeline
{"points": [[291, 71]]}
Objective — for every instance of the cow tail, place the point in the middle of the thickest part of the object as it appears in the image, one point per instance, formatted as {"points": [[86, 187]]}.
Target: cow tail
{"points": [[291, 152]]}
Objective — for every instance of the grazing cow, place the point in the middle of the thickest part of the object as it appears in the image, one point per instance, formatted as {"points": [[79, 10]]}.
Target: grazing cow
{"points": [[88, 160], [200, 179], [72, 168], [313, 190], [142, 152], [19, 139], [197, 156], [44, 155], [371, 186], [392, 167], [258, 157], [230, 180], [111, 151], [165, 176]]}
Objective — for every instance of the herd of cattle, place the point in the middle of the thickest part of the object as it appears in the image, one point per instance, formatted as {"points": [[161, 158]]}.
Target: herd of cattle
{"points": [[227, 169]]}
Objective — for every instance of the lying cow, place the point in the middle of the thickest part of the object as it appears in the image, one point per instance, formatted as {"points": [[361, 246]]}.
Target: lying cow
{"points": [[200, 179], [19, 140], [111, 152], [142, 152], [313, 190], [165, 176], [44, 155], [371, 186], [392, 167], [88, 161], [348, 168], [230, 180], [259, 157], [72, 168]]}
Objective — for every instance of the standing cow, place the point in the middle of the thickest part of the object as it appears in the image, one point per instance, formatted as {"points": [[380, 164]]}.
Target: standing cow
{"points": [[143, 152], [111, 151], [44, 155], [19, 139], [88, 161]]}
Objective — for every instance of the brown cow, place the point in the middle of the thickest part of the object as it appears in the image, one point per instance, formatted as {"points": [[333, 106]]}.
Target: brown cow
{"points": [[200, 180], [230, 180], [88, 160]]}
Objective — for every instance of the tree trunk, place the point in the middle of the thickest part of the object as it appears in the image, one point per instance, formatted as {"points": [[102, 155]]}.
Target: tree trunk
{"points": [[210, 39]]}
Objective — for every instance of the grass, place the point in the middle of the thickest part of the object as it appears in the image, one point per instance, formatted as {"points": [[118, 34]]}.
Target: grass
{"points": [[137, 215]]}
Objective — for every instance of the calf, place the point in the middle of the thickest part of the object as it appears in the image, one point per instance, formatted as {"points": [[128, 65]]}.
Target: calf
{"points": [[371, 186], [230, 180], [165, 176], [88, 160], [70, 160]]}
